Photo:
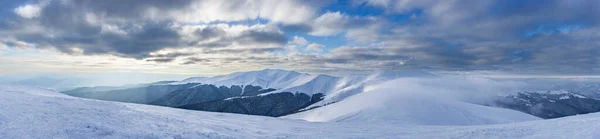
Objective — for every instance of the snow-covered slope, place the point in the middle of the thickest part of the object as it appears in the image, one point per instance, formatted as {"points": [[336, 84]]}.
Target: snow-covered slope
{"points": [[334, 88], [40, 113], [412, 101], [350, 85], [282, 80]]}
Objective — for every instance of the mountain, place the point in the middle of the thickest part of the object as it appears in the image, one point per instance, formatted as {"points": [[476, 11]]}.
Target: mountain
{"points": [[274, 104], [410, 104], [137, 94], [549, 104], [347, 86], [281, 80], [82, 91], [334, 88], [275, 92], [264, 92], [589, 89], [51, 82], [39, 113], [247, 99]]}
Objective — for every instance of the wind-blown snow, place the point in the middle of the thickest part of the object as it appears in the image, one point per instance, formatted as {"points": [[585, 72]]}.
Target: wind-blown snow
{"points": [[40, 113], [417, 101]]}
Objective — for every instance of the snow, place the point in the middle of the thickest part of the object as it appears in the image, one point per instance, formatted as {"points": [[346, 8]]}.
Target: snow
{"points": [[282, 80], [566, 94], [558, 92], [410, 101], [190, 80], [39, 113], [334, 88]]}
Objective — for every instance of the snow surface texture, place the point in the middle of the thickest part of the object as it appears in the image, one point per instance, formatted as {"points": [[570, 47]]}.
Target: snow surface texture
{"points": [[417, 101], [40, 113]]}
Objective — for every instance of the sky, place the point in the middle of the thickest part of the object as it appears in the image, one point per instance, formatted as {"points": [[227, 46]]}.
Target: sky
{"points": [[212, 37]]}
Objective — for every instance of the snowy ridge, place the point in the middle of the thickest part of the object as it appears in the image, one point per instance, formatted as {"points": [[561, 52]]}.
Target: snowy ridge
{"points": [[334, 88], [413, 103], [268, 78], [39, 113], [281, 80], [30, 90]]}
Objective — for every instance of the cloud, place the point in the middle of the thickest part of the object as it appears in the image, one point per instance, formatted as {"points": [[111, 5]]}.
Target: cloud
{"points": [[315, 47], [332, 23], [482, 35], [518, 36], [216, 10], [299, 40], [194, 60], [28, 11], [136, 29], [65, 27], [161, 60]]}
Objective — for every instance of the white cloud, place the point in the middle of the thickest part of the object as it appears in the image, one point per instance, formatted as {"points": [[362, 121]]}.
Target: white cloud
{"points": [[299, 40], [28, 11], [279, 11], [365, 34], [332, 23], [315, 47], [328, 24]]}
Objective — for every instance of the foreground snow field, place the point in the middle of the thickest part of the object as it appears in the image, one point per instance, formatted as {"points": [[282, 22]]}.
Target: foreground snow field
{"points": [[38, 113]]}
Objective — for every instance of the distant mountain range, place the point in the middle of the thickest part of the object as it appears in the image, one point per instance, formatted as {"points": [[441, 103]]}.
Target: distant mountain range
{"points": [[275, 92], [270, 92], [549, 104]]}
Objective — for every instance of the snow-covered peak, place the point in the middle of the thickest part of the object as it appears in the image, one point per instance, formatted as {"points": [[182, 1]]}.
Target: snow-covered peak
{"points": [[261, 77], [282, 80], [335, 88], [190, 80]]}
